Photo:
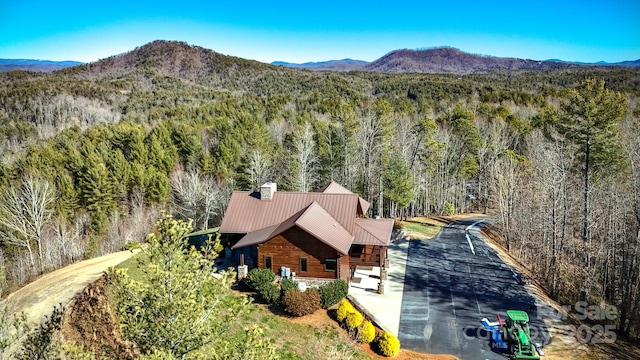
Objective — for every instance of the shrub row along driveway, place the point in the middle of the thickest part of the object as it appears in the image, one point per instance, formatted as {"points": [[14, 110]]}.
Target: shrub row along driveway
{"points": [[448, 289]]}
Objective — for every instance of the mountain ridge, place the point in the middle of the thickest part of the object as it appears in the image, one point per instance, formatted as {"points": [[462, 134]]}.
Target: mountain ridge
{"points": [[35, 65], [176, 58], [453, 61], [446, 59], [169, 58]]}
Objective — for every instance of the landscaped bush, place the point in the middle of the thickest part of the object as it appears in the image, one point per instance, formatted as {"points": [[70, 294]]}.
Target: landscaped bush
{"points": [[353, 320], [387, 344], [269, 293], [449, 209], [333, 292], [257, 278], [286, 285], [344, 309], [298, 303], [366, 332]]}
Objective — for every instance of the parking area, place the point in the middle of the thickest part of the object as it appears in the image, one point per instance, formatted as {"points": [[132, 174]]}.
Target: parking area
{"points": [[451, 282]]}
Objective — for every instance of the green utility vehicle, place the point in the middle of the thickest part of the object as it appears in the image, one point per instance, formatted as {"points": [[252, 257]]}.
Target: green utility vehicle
{"points": [[518, 336]]}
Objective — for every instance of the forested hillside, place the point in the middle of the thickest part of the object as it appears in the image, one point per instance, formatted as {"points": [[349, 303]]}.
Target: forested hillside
{"points": [[90, 154]]}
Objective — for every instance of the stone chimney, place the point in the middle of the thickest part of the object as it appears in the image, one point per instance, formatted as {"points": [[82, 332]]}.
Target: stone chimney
{"points": [[267, 190]]}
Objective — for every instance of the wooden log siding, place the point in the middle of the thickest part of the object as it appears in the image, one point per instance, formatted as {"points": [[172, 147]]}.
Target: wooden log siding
{"points": [[367, 255], [287, 248]]}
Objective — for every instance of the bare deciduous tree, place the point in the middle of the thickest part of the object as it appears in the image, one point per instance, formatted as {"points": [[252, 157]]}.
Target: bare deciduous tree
{"points": [[258, 169], [67, 238], [197, 197], [372, 138], [506, 176], [304, 147], [24, 213]]}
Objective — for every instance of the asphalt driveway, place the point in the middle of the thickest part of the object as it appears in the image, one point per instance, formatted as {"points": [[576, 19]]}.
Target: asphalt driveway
{"points": [[451, 283]]}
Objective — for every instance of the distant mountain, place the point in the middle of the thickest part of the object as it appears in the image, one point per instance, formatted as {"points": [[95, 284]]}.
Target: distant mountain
{"points": [[333, 65], [34, 65], [200, 65], [168, 58], [453, 61], [632, 63], [444, 60]]}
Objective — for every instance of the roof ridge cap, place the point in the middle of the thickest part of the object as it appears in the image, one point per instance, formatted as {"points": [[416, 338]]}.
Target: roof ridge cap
{"points": [[297, 217], [336, 223], [306, 209]]}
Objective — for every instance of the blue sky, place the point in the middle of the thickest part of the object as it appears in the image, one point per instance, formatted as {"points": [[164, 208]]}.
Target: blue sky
{"points": [[299, 31]]}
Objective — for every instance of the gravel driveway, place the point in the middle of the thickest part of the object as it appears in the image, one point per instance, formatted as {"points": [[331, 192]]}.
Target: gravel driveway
{"points": [[39, 297]]}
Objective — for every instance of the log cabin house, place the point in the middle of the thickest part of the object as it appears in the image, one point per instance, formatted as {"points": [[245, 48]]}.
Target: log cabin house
{"points": [[320, 234]]}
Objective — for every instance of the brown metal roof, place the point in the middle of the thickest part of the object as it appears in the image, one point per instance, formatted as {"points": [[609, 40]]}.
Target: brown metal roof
{"points": [[335, 188], [373, 231], [363, 205], [256, 237], [314, 220], [330, 215], [261, 235], [246, 212], [319, 223]]}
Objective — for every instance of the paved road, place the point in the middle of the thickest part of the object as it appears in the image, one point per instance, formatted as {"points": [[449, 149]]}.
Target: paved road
{"points": [[448, 289]]}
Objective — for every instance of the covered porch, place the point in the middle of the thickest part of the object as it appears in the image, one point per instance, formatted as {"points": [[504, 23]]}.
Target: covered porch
{"points": [[368, 255], [369, 266]]}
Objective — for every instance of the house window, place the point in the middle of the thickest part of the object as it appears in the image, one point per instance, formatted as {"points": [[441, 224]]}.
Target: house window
{"points": [[303, 264], [268, 262], [330, 265]]}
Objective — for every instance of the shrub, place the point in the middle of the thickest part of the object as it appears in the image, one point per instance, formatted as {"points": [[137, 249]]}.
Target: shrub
{"points": [[298, 303], [387, 344], [286, 285], [269, 293], [449, 209], [366, 332], [333, 292], [344, 309], [132, 245], [353, 320], [257, 278]]}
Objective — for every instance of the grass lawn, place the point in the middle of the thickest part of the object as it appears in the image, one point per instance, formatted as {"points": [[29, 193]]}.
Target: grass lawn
{"points": [[296, 339], [316, 337], [422, 227], [131, 265]]}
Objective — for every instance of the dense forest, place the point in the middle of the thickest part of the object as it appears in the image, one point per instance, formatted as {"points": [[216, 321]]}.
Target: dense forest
{"points": [[92, 154]]}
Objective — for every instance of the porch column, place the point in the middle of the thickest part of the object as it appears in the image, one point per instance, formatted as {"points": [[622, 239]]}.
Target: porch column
{"points": [[344, 268], [386, 258]]}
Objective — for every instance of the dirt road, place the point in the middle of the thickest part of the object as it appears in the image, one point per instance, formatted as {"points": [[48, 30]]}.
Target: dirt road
{"points": [[39, 297]]}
